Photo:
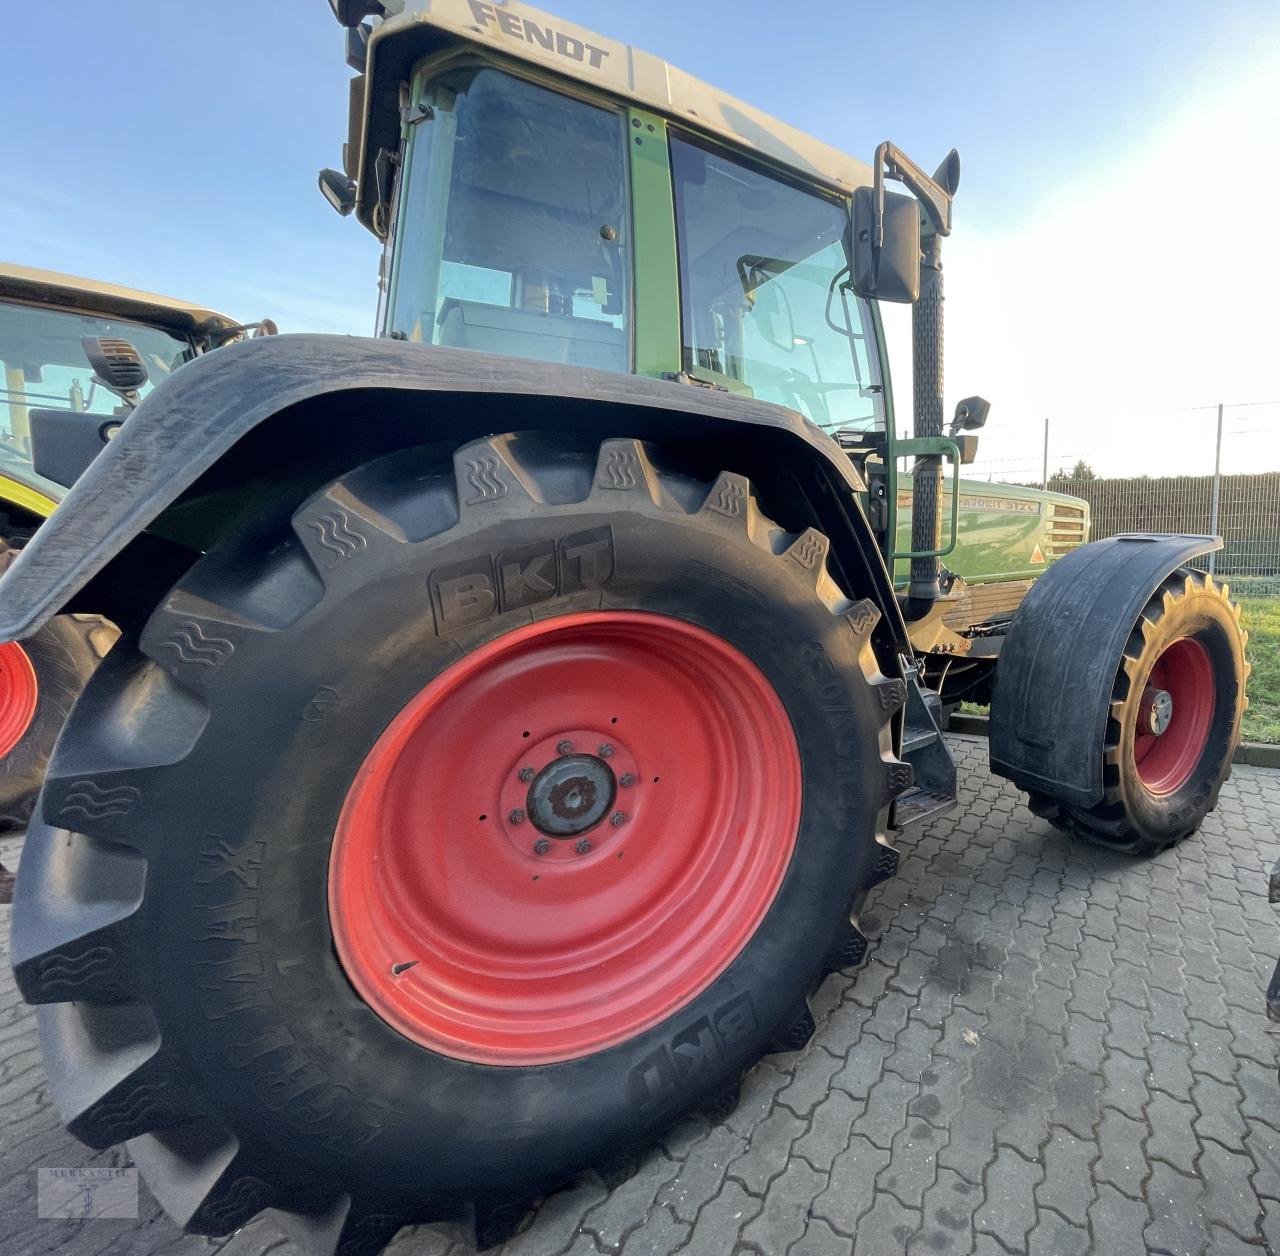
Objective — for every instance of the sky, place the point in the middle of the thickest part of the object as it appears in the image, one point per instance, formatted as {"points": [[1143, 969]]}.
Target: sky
{"points": [[1113, 267]]}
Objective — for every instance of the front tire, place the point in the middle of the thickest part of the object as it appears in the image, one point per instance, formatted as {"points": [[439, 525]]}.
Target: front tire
{"points": [[261, 1049], [1173, 721]]}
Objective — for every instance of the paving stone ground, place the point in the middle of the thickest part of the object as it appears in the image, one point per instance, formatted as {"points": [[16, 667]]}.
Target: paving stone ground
{"points": [[1050, 1050]]}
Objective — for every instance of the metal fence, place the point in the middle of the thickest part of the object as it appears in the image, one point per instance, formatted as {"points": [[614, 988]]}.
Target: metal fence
{"points": [[1245, 512], [1201, 469]]}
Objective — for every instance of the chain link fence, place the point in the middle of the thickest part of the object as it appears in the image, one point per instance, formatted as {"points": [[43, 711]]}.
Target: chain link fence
{"points": [[1244, 511], [1203, 469]]}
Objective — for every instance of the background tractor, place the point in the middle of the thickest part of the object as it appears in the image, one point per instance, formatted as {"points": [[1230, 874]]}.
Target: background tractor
{"points": [[76, 390], [513, 711]]}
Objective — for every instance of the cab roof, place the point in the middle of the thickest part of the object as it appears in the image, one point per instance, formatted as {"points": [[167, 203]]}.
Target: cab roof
{"points": [[414, 29], [49, 287]]}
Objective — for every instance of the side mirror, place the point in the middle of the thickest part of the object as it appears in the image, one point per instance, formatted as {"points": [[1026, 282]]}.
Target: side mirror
{"points": [[118, 366], [971, 414], [890, 272], [339, 190], [265, 327]]}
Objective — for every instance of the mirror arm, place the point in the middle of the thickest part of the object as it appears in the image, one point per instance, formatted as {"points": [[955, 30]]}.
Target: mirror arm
{"points": [[934, 193]]}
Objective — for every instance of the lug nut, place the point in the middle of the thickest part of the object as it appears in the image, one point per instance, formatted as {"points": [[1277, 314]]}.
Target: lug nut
{"points": [[541, 846], [526, 774], [618, 819], [583, 847], [606, 751], [626, 780], [564, 747], [516, 816]]}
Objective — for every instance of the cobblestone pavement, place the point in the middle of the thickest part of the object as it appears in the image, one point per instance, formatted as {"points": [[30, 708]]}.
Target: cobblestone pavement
{"points": [[1050, 1050]]}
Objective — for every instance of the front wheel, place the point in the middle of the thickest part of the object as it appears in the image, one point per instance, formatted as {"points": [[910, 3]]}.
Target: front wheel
{"points": [[1173, 721], [458, 840]]}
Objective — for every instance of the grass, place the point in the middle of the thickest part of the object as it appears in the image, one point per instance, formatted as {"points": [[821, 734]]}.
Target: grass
{"points": [[1261, 618]]}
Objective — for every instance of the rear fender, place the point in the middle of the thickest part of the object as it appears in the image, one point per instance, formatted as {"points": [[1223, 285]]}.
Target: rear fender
{"points": [[1058, 663], [260, 424]]}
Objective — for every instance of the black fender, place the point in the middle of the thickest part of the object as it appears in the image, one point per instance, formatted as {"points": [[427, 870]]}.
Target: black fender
{"points": [[1058, 663], [263, 412]]}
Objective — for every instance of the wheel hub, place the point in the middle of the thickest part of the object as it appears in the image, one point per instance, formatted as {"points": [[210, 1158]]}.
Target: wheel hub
{"points": [[1157, 710], [571, 795], [555, 800]]}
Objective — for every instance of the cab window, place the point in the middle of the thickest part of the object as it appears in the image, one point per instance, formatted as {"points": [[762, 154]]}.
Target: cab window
{"points": [[762, 268], [43, 366], [513, 225]]}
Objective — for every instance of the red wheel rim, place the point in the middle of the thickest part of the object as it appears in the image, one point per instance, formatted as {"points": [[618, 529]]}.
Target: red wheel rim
{"points": [[19, 693], [479, 934], [1165, 761]]}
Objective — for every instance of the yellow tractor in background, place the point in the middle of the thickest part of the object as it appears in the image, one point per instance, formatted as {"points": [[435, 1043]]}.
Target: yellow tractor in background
{"points": [[63, 341]]}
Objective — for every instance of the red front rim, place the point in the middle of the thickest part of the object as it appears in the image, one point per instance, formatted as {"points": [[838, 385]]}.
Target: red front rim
{"points": [[19, 693], [1165, 761], [473, 929]]}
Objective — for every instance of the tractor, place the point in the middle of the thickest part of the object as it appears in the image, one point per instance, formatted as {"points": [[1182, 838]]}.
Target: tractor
{"points": [[78, 355], [512, 711]]}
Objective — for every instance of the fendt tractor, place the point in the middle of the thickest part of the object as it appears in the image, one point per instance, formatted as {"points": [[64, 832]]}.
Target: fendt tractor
{"points": [[68, 347], [513, 711]]}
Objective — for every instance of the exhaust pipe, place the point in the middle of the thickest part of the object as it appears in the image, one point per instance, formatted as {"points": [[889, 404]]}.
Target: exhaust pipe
{"points": [[926, 496]]}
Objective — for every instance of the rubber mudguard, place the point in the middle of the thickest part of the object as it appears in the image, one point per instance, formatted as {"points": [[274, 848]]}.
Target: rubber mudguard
{"points": [[1058, 663]]}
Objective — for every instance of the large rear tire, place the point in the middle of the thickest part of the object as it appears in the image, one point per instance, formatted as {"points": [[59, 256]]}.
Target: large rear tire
{"points": [[1173, 721], [485, 981]]}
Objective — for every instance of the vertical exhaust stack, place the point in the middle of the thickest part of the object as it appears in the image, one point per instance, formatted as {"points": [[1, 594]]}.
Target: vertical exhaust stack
{"points": [[926, 354]]}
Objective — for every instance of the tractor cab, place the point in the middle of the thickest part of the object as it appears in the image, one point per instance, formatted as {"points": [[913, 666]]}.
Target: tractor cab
{"points": [[520, 229], [547, 193]]}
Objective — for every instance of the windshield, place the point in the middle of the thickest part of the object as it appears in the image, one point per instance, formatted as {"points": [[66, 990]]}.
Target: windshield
{"points": [[44, 367], [512, 232], [762, 268]]}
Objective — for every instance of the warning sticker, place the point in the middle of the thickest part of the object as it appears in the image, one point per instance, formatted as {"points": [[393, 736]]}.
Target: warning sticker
{"points": [[1037, 555]]}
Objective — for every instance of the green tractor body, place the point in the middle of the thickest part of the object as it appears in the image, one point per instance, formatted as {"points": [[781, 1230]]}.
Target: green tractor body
{"points": [[513, 711], [1006, 532]]}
